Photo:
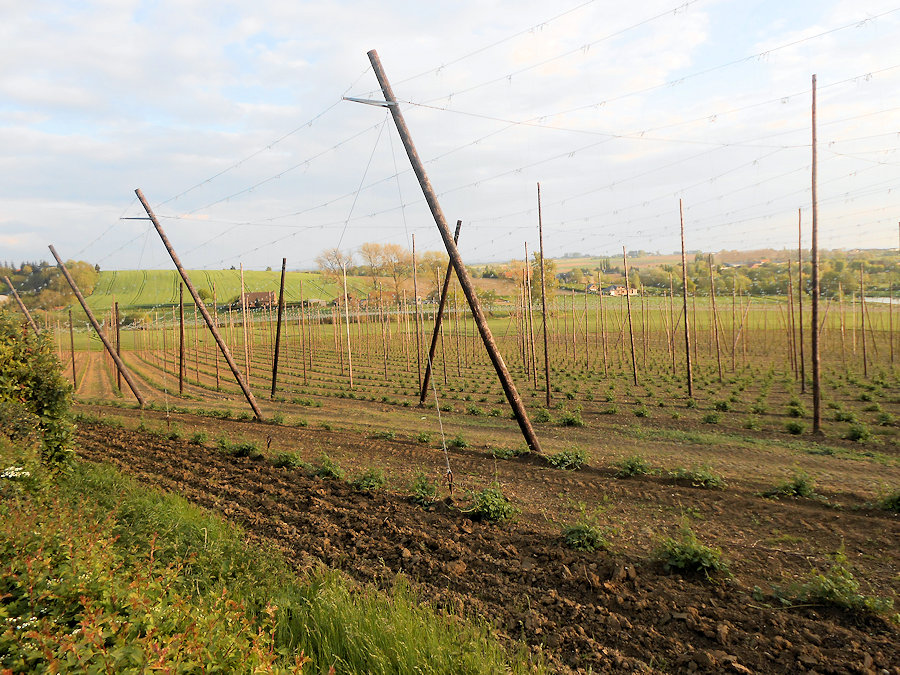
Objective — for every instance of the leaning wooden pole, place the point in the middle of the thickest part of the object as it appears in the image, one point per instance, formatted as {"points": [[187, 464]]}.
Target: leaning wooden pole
{"points": [[90, 315], [814, 258], [202, 307], [684, 295], [462, 274], [437, 324], [278, 329], [630, 324], [21, 304], [543, 297]]}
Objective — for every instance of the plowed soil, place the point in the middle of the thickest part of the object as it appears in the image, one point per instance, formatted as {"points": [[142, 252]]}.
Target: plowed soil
{"points": [[606, 611]]}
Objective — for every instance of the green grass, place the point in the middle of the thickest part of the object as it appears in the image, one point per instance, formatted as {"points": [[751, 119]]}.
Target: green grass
{"points": [[141, 571]]}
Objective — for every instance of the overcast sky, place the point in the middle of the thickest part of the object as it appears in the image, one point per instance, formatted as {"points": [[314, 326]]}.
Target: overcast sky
{"points": [[229, 117]]}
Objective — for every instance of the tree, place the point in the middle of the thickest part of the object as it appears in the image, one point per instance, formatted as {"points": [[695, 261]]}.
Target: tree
{"points": [[397, 264], [332, 262], [433, 264], [550, 280], [373, 257]]}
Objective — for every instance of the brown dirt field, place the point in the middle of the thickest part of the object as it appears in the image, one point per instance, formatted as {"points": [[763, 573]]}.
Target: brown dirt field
{"points": [[607, 611]]}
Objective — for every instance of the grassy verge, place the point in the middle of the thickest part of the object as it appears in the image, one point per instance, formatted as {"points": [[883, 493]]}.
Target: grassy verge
{"points": [[100, 573]]}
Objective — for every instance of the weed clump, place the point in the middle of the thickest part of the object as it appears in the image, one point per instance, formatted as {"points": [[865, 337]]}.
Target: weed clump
{"points": [[458, 442], [543, 415], [422, 491], [289, 460], [571, 418], [328, 468], [801, 485], [701, 476], [424, 437], [795, 427], [711, 418], [584, 537], [687, 555], [572, 459], [633, 466], [492, 505], [369, 481], [891, 502], [838, 587], [387, 435], [509, 453], [859, 432]]}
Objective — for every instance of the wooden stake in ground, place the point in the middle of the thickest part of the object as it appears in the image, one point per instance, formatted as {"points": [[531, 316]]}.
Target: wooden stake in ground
{"points": [[180, 338], [800, 300], [203, 311], [416, 309], [118, 344], [462, 273], [793, 333], [347, 325], [684, 294], [278, 329], [216, 320], [119, 363], [814, 256], [21, 304], [862, 318], [244, 327], [630, 324], [439, 317], [543, 297]]}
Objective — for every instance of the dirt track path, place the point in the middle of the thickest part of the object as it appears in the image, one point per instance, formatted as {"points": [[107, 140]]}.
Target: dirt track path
{"points": [[611, 613]]}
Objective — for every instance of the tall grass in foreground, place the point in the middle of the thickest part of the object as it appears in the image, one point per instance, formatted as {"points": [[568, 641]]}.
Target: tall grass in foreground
{"points": [[97, 571]]}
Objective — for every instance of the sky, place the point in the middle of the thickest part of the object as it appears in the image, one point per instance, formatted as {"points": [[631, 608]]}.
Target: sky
{"points": [[230, 117]]}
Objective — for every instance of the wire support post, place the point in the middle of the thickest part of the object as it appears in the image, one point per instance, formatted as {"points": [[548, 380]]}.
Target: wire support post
{"points": [[90, 315], [462, 273], [202, 307], [22, 306]]}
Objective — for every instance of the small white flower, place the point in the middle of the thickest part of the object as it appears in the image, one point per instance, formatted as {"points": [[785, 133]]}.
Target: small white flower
{"points": [[14, 472]]}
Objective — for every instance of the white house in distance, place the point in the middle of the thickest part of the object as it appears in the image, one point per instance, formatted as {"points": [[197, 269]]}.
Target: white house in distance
{"points": [[620, 290]]}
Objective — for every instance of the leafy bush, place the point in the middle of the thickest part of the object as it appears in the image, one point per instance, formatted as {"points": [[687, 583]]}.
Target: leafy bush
{"points": [[387, 435], [370, 480], [509, 453], [845, 416], [543, 415], [458, 442], [31, 381], [885, 419], [328, 468], [572, 459], [752, 424], [722, 406], [199, 438], [492, 505], [278, 418], [642, 411], [245, 449], [633, 466], [686, 554], [422, 491], [424, 437], [711, 418], [701, 476], [891, 502], [611, 410], [476, 411], [584, 537]]}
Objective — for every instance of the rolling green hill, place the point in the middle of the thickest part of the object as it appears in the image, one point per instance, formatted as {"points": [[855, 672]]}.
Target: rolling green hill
{"points": [[145, 289]]}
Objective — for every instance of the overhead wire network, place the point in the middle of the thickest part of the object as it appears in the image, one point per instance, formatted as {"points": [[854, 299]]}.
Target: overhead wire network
{"points": [[522, 168]]}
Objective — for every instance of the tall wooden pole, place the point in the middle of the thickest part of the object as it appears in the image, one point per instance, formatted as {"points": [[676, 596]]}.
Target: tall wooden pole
{"points": [[800, 301], [118, 344], [543, 297], [862, 318], [630, 324], [216, 320], [278, 329], [423, 394], [347, 324], [206, 317], [21, 304], [715, 316], [684, 294], [72, 347], [180, 338], [814, 256], [416, 309], [90, 315], [462, 273]]}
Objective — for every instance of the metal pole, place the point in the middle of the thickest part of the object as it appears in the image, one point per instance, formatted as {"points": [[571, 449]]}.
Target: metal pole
{"points": [[462, 274], [437, 323], [90, 315], [684, 293], [278, 330], [206, 317], [25, 311]]}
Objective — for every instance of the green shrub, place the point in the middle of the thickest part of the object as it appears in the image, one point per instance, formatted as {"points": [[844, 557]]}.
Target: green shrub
{"points": [[369, 481], [422, 491], [611, 410], [686, 554], [711, 418], [572, 459], [328, 468], [290, 460], [492, 505], [752, 424], [891, 502], [245, 449], [509, 453], [859, 432], [701, 476], [759, 408], [278, 418], [543, 415], [845, 416], [584, 537], [691, 403], [633, 466], [474, 410], [642, 411], [722, 406], [458, 442], [199, 438], [885, 419], [32, 381], [387, 435], [424, 437]]}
